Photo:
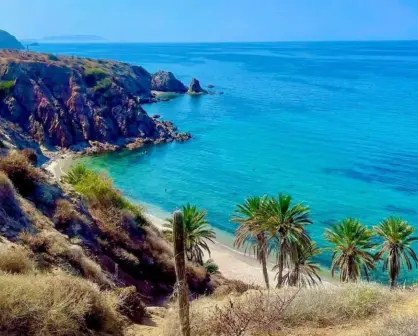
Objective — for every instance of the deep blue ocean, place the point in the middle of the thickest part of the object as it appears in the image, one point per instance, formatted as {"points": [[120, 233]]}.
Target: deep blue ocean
{"points": [[335, 124]]}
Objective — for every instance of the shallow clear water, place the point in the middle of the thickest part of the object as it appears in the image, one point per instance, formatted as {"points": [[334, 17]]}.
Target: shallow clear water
{"points": [[333, 124]]}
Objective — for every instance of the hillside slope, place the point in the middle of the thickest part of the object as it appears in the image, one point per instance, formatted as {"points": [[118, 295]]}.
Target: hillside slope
{"points": [[8, 41]]}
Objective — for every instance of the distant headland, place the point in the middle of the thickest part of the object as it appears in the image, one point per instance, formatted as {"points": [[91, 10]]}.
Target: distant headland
{"points": [[8, 41]]}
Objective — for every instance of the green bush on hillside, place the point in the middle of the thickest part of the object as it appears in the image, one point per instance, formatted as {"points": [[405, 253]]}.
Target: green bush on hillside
{"points": [[211, 267], [99, 189], [93, 76], [103, 85], [6, 88], [52, 57]]}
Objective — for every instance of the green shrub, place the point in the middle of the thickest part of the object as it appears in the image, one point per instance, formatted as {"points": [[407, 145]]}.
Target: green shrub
{"points": [[93, 76], [99, 190], [211, 267], [103, 85], [6, 88], [52, 57], [75, 175]]}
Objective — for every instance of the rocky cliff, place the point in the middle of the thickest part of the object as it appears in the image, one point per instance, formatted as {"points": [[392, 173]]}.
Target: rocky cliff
{"points": [[70, 101], [8, 41]]}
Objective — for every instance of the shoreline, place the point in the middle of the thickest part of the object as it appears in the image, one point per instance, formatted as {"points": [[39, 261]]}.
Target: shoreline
{"points": [[233, 264], [59, 164]]}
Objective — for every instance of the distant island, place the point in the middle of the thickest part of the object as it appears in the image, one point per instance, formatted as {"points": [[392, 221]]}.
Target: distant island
{"points": [[8, 41], [73, 38]]}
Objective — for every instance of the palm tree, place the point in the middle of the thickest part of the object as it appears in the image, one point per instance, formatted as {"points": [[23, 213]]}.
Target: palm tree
{"points": [[397, 237], [352, 249], [286, 224], [249, 233], [303, 271], [197, 232]]}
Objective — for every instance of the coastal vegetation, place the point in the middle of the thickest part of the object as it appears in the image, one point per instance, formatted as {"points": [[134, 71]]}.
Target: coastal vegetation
{"points": [[88, 300], [250, 233], [77, 258], [268, 224], [308, 311], [397, 236], [197, 232], [352, 249], [6, 87]]}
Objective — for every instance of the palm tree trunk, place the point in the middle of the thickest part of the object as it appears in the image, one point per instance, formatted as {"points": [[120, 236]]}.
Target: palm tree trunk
{"points": [[263, 259], [280, 264], [351, 271], [392, 283], [262, 256]]}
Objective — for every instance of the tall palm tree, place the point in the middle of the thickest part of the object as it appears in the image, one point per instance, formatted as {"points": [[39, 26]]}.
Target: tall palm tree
{"points": [[286, 224], [352, 250], [197, 232], [397, 237], [303, 272], [249, 233]]}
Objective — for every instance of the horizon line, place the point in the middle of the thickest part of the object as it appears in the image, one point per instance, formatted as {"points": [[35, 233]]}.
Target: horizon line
{"points": [[209, 42]]}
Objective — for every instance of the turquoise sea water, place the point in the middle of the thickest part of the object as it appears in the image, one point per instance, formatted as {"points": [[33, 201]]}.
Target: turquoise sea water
{"points": [[333, 124]]}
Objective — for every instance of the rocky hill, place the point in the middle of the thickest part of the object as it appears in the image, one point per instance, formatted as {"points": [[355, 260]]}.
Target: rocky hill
{"points": [[70, 101], [8, 41], [54, 237]]}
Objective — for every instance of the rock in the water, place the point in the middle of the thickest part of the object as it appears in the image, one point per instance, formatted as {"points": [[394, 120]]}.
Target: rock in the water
{"points": [[210, 86], [8, 41], [195, 87], [165, 81]]}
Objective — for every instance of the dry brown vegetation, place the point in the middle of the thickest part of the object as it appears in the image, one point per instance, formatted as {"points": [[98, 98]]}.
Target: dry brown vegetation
{"points": [[397, 325], [15, 260], [55, 249], [21, 172], [259, 312], [65, 213], [7, 192], [41, 305]]}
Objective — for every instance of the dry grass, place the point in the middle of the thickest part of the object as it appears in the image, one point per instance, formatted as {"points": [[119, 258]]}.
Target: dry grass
{"points": [[58, 247], [64, 213], [7, 193], [21, 172], [258, 312], [56, 305], [132, 307], [400, 325], [328, 306], [254, 313], [232, 287], [30, 154], [15, 260]]}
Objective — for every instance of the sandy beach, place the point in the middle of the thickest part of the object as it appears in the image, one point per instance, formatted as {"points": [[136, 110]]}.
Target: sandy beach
{"points": [[232, 264], [60, 164]]}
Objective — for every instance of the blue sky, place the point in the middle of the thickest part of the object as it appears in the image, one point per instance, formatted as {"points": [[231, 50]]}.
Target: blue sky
{"points": [[213, 20]]}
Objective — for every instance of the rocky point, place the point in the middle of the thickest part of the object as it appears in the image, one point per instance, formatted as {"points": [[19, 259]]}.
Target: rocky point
{"points": [[76, 103]]}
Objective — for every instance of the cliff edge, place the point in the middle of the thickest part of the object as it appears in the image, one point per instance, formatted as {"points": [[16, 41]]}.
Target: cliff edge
{"points": [[70, 101]]}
